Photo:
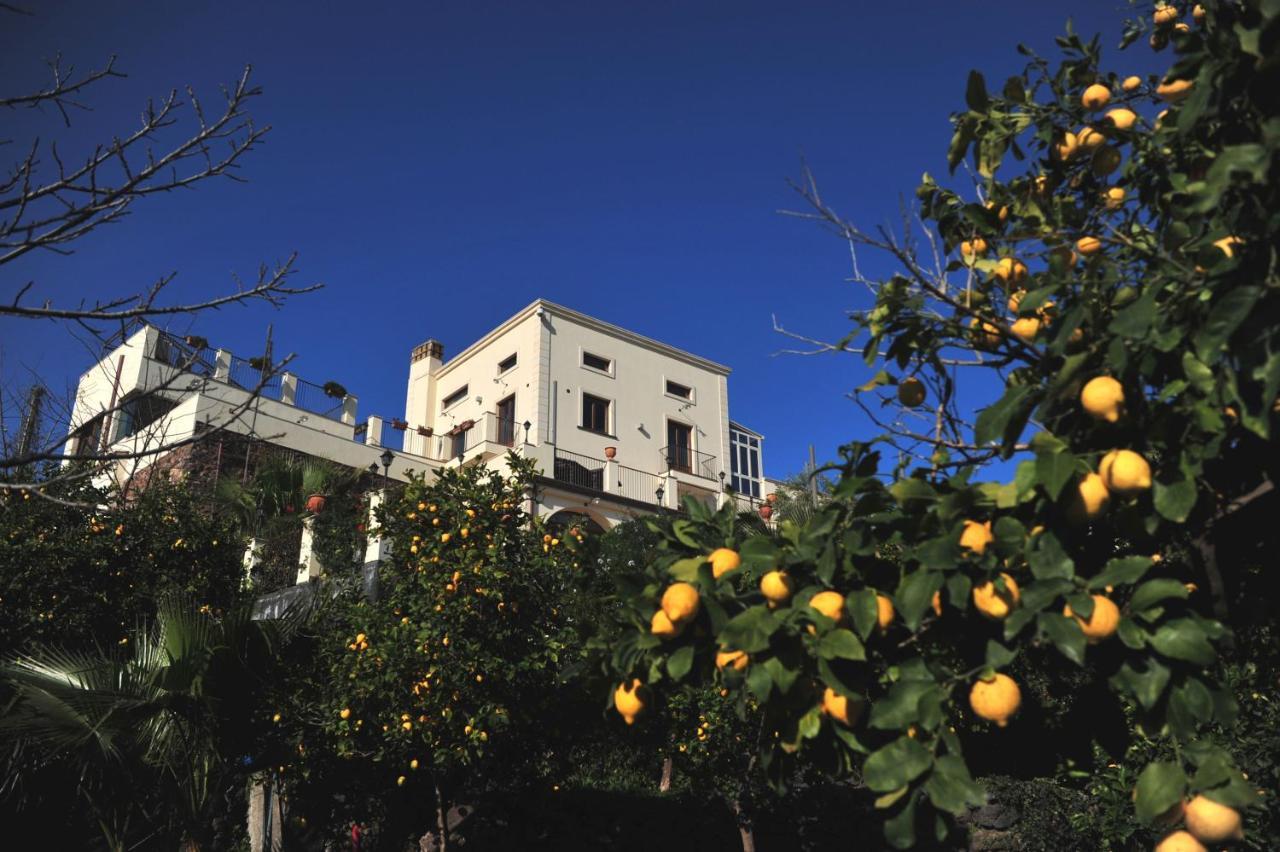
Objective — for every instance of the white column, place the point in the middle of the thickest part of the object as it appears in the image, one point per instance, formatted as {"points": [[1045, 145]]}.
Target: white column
{"points": [[249, 561], [222, 365], [373, 431], [611, 483], [309, 566], [670, 491], [349, 410], [288, 388], [378, 548]]}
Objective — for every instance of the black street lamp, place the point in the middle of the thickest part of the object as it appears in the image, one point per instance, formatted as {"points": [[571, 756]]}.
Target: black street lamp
{"points": [[527, 425], [659, 494], [386, 458]]}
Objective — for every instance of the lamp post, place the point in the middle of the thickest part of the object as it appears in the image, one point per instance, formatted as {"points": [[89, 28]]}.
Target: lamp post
{"points": [[386, 458], [659, 494], [527, 425], [722, 480]]}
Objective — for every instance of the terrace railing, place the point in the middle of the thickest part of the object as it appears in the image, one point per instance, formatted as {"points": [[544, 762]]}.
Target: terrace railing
{"points": [[579, 470], [688, 460]]}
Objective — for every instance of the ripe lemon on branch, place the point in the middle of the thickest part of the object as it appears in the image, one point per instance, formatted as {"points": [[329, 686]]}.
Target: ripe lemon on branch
{"points": [[995, 699]]}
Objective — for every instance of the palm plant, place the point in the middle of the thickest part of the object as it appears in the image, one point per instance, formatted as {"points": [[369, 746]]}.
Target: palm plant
{"points": [[146, 736]]}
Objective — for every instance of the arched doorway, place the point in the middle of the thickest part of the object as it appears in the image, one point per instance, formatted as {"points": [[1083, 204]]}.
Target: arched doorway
{"points": [[568, 518]]}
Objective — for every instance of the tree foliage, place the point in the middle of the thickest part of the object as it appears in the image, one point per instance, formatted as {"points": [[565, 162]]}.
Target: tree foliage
{"points": [[1141, 252]]}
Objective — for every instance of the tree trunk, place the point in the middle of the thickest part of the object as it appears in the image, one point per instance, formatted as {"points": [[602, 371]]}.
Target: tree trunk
{"points": [[665, 784], [442, 818], [745, 829]]}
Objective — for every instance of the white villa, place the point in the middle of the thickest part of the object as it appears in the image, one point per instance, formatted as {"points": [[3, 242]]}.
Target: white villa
{"points": [[619, 424]]}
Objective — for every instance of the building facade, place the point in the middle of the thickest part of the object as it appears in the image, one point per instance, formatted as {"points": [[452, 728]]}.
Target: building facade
{"points": [[618, 424]]}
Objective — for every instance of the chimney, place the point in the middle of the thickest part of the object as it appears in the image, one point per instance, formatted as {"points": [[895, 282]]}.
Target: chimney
{"points": [[420, 397]]}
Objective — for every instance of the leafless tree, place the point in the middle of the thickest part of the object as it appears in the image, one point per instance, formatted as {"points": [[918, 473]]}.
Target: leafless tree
{"points": [[49, 200]]}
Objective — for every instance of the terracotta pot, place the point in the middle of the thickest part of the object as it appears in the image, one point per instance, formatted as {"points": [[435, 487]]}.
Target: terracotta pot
{"points": [[772, 498], [766, 512], [610, 452], [315, 503]]}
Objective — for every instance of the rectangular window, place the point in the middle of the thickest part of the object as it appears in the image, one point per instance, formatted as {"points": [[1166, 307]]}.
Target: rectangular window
{"points": [[679, 446], [507, 421], [454, 398], [677, 389], [459, 447], [507, 363], [596, 362], [744, 462], [595, 414]]}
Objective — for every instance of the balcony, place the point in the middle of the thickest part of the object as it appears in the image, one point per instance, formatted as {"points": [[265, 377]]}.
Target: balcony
{"points": [[688, 460]]}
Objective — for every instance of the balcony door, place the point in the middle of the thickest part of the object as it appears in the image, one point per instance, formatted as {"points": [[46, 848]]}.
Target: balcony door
{"points": [[507, 421], [679, 446]]}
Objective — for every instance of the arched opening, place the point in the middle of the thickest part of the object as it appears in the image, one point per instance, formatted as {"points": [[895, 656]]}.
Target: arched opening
{"points": [[568, 518]]}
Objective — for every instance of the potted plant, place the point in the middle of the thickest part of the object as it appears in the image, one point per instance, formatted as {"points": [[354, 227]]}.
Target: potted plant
{"points": [[335, 390], [426, 431], [398, 424], [772, 497], [315, 482], [610, 452], [196, 342], [258, 362], [766, 512]]}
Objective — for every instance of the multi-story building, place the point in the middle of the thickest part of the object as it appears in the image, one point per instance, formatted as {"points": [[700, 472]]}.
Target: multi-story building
{"points": [[619, 424]]}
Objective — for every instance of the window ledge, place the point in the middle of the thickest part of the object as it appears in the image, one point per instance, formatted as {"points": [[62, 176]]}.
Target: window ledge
{"points": [[594, 432]]}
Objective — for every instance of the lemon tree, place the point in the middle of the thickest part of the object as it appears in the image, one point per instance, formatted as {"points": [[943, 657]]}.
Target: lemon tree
{"points": [[1103, 325], [444, 675]]}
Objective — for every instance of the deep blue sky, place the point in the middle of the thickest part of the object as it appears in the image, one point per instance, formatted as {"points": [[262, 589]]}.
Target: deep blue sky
{"points": [[438, 165]]}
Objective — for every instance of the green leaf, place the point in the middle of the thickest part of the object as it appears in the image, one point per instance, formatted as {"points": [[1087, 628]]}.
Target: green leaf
{"points": [[1054, 470], [684, 532], [1008, 414], [1065, 634], [998, 656], [1175, 500], [749, 630], [895, 765], [912, 490], [915, 594], [1048, 561], [759, 682], [1161, 785], [863, 609], [1197, 372], [686, 570], [1148, 685], [1154, 591], [1011, 535], [1184, 639], [1224, 318], [759, 551], [1121, 572], [679, 663], [951, 788], [888, 799], [900, 705], [900, 829], [841, 644], [1134, 321], [975, 93]]}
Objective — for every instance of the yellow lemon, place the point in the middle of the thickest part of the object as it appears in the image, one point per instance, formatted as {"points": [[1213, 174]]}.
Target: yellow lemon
{"points": [[970, 249], [1102, 398], [1106, 160], [1227, 245], [936, 603], [911, 392], [723, 560], [1121, 118], [1026, 329], [344, 713], [734, 659], [1088, 245], [1165, 15], [1113, 198], [1002, 213], [777, 586], [1089, 499], [1174, 90], [986, 335], [830, 604], [1102, 623], [996, 699], [1131, 84], [1010, 270], [663, 626], [993, 603], [1180, 841], [1125, 472], [1211, 822], [884, 611], [1066, 149], [680, 602], [839, 707], [976, 536], [1197, 14], [1095, 97], [1088, 138], [628, 701]]}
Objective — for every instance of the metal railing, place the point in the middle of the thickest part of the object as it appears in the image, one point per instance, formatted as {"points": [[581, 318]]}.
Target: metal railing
{"points": [[247, 375], [688, 460], [575, 469], [176, 352], [310, 396], [638, 485]]}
